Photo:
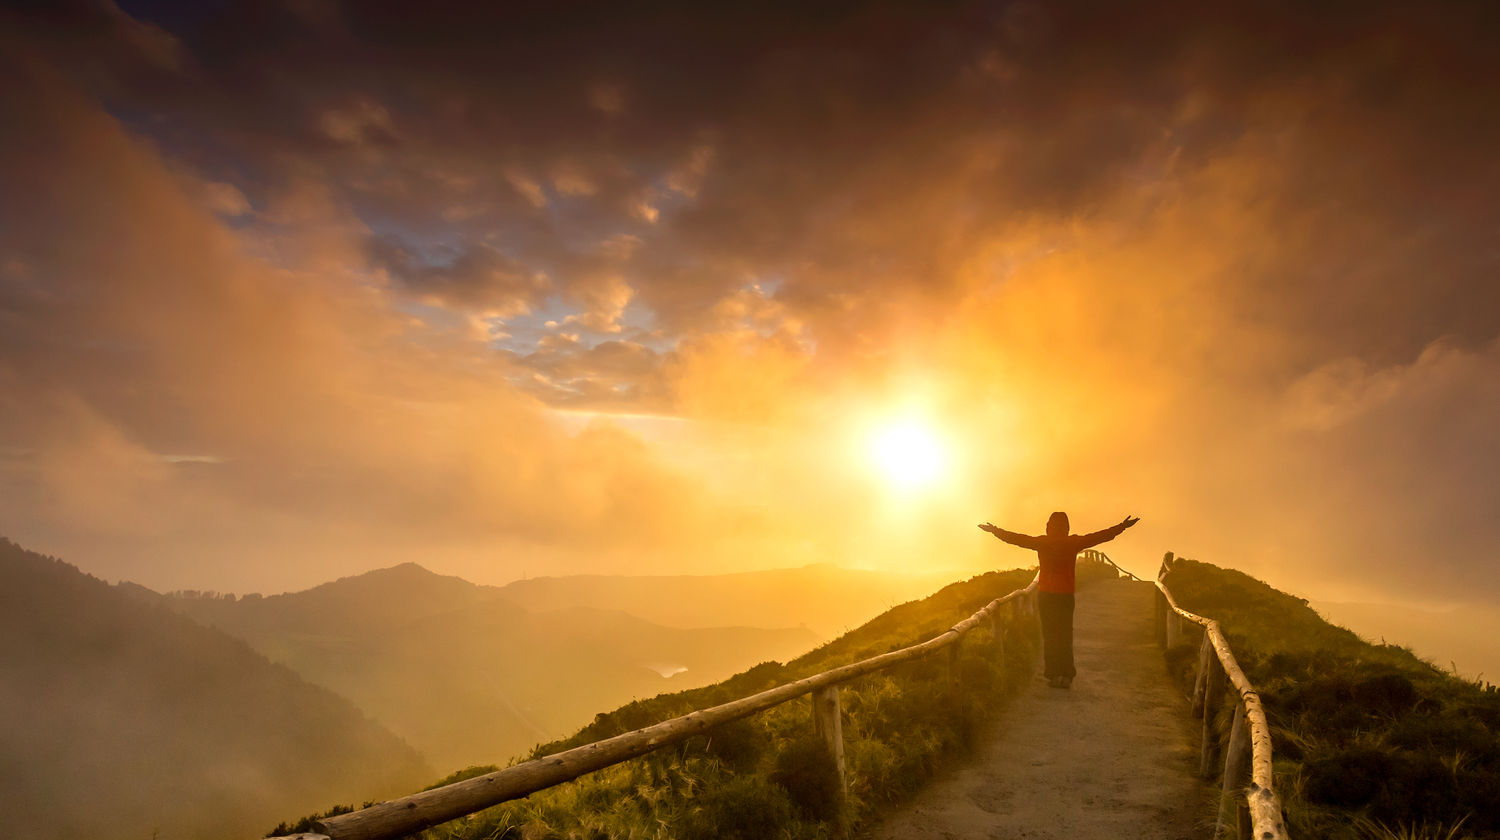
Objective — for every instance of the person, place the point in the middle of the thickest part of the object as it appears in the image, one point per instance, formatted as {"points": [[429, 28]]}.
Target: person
{"points": [[1057, 552]]}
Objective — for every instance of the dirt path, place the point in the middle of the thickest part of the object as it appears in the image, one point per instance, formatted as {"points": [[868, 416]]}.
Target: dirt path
{"points": [[1112, 757]]}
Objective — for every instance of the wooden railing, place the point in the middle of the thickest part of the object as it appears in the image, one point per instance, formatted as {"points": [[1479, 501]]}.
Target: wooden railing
{"points": [[399, 817], [1247, 784], [1089, 554], [1247, 791]]}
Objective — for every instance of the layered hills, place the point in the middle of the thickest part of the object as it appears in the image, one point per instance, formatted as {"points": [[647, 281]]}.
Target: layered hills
{"points": [[131, 713], [123, 719], [830, 600], [474, 674]]}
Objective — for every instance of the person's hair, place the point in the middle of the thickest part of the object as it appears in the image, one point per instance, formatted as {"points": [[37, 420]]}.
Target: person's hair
{"points": [[1057, 524]]}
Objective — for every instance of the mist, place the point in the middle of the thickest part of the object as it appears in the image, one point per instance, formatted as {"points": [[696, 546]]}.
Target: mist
{"points": [[288, 296]]}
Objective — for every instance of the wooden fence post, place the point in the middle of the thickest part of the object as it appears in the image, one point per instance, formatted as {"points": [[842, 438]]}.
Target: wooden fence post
{"points": [[1161, 619], [953, 662], [1174, 628], [1236, 770], [1215, 684], [997, 633], [1200, 679], [828, 722]]}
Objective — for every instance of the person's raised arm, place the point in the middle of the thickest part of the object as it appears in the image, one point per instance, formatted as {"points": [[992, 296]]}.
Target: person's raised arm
{"points": [[1090, 540], [1011, 537]]}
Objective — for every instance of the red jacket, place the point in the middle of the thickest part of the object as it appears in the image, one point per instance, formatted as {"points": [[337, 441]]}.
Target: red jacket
{"points": [[1058, 554]]}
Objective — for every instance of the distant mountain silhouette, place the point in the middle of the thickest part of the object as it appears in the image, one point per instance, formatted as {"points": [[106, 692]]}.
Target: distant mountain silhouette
{"points": [[123, 720], [828, 599], [467, 673]]}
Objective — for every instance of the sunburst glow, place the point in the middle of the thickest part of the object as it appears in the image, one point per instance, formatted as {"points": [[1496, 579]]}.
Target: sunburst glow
{"points": [[909, 455]]}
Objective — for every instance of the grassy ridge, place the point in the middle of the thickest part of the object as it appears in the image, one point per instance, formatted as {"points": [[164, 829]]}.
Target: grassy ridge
{"points": [[1369, 740], [768, 776]]}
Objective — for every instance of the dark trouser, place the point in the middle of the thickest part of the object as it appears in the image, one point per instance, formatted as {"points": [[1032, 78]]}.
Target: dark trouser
{"points": [[1056, 611]]}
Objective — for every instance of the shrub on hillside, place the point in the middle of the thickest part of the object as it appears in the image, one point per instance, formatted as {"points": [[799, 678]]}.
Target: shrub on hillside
{"points": [[738, 745], [806, 771], [1363, 734], [742, 808]]}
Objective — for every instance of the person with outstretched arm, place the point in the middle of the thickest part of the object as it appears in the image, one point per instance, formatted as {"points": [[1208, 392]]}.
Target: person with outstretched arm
{"points": [[1057, 551]]}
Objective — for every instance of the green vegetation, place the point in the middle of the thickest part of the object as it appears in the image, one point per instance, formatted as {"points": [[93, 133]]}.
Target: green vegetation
{"points": [[768, 776], [1369, 741]]}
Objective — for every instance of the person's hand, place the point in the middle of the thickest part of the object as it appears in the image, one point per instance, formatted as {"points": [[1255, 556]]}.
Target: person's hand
{"points": [[988, 527], [1131, 520]]}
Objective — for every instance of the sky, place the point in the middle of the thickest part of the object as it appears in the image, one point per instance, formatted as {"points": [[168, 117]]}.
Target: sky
{"points": [[294, 289]]}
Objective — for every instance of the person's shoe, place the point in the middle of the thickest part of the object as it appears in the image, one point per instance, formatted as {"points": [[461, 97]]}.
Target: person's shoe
{"points": [[1065, 682], [1056, 682]]}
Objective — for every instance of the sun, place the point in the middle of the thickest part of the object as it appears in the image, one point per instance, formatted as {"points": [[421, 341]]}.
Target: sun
{"points": [[909, 455]]}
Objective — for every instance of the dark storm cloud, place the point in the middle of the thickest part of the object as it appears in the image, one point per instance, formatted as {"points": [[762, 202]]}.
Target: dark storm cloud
{"points": [[819, 135], [477, 276]]}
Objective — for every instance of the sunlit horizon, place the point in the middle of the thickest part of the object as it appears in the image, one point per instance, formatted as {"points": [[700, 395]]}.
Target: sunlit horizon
{"points": [[703, 294]]}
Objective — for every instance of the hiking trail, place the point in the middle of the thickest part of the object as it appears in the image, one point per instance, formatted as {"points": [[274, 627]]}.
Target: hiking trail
{"points": [[1114, 756]]}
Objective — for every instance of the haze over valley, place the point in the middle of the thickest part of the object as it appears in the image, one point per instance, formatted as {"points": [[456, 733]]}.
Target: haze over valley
{"points": [[194, 714], [477, 674]]}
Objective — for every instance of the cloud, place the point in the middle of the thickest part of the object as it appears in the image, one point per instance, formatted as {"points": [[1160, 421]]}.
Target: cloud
{"points": [[1129, 259], [358, 123], [1408, 453], [610, 376], [604, 298], [323, 409], [477, 277]]}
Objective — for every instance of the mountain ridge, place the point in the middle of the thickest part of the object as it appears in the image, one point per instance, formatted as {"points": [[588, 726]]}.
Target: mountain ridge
{"points": [[122, 719], [468, 672]]}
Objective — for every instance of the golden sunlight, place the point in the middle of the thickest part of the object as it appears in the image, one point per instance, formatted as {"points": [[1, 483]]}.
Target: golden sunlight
{"points": [[908, 454]]}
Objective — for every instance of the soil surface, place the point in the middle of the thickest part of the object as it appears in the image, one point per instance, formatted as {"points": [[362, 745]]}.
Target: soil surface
{"points": [[1114, 756]]}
